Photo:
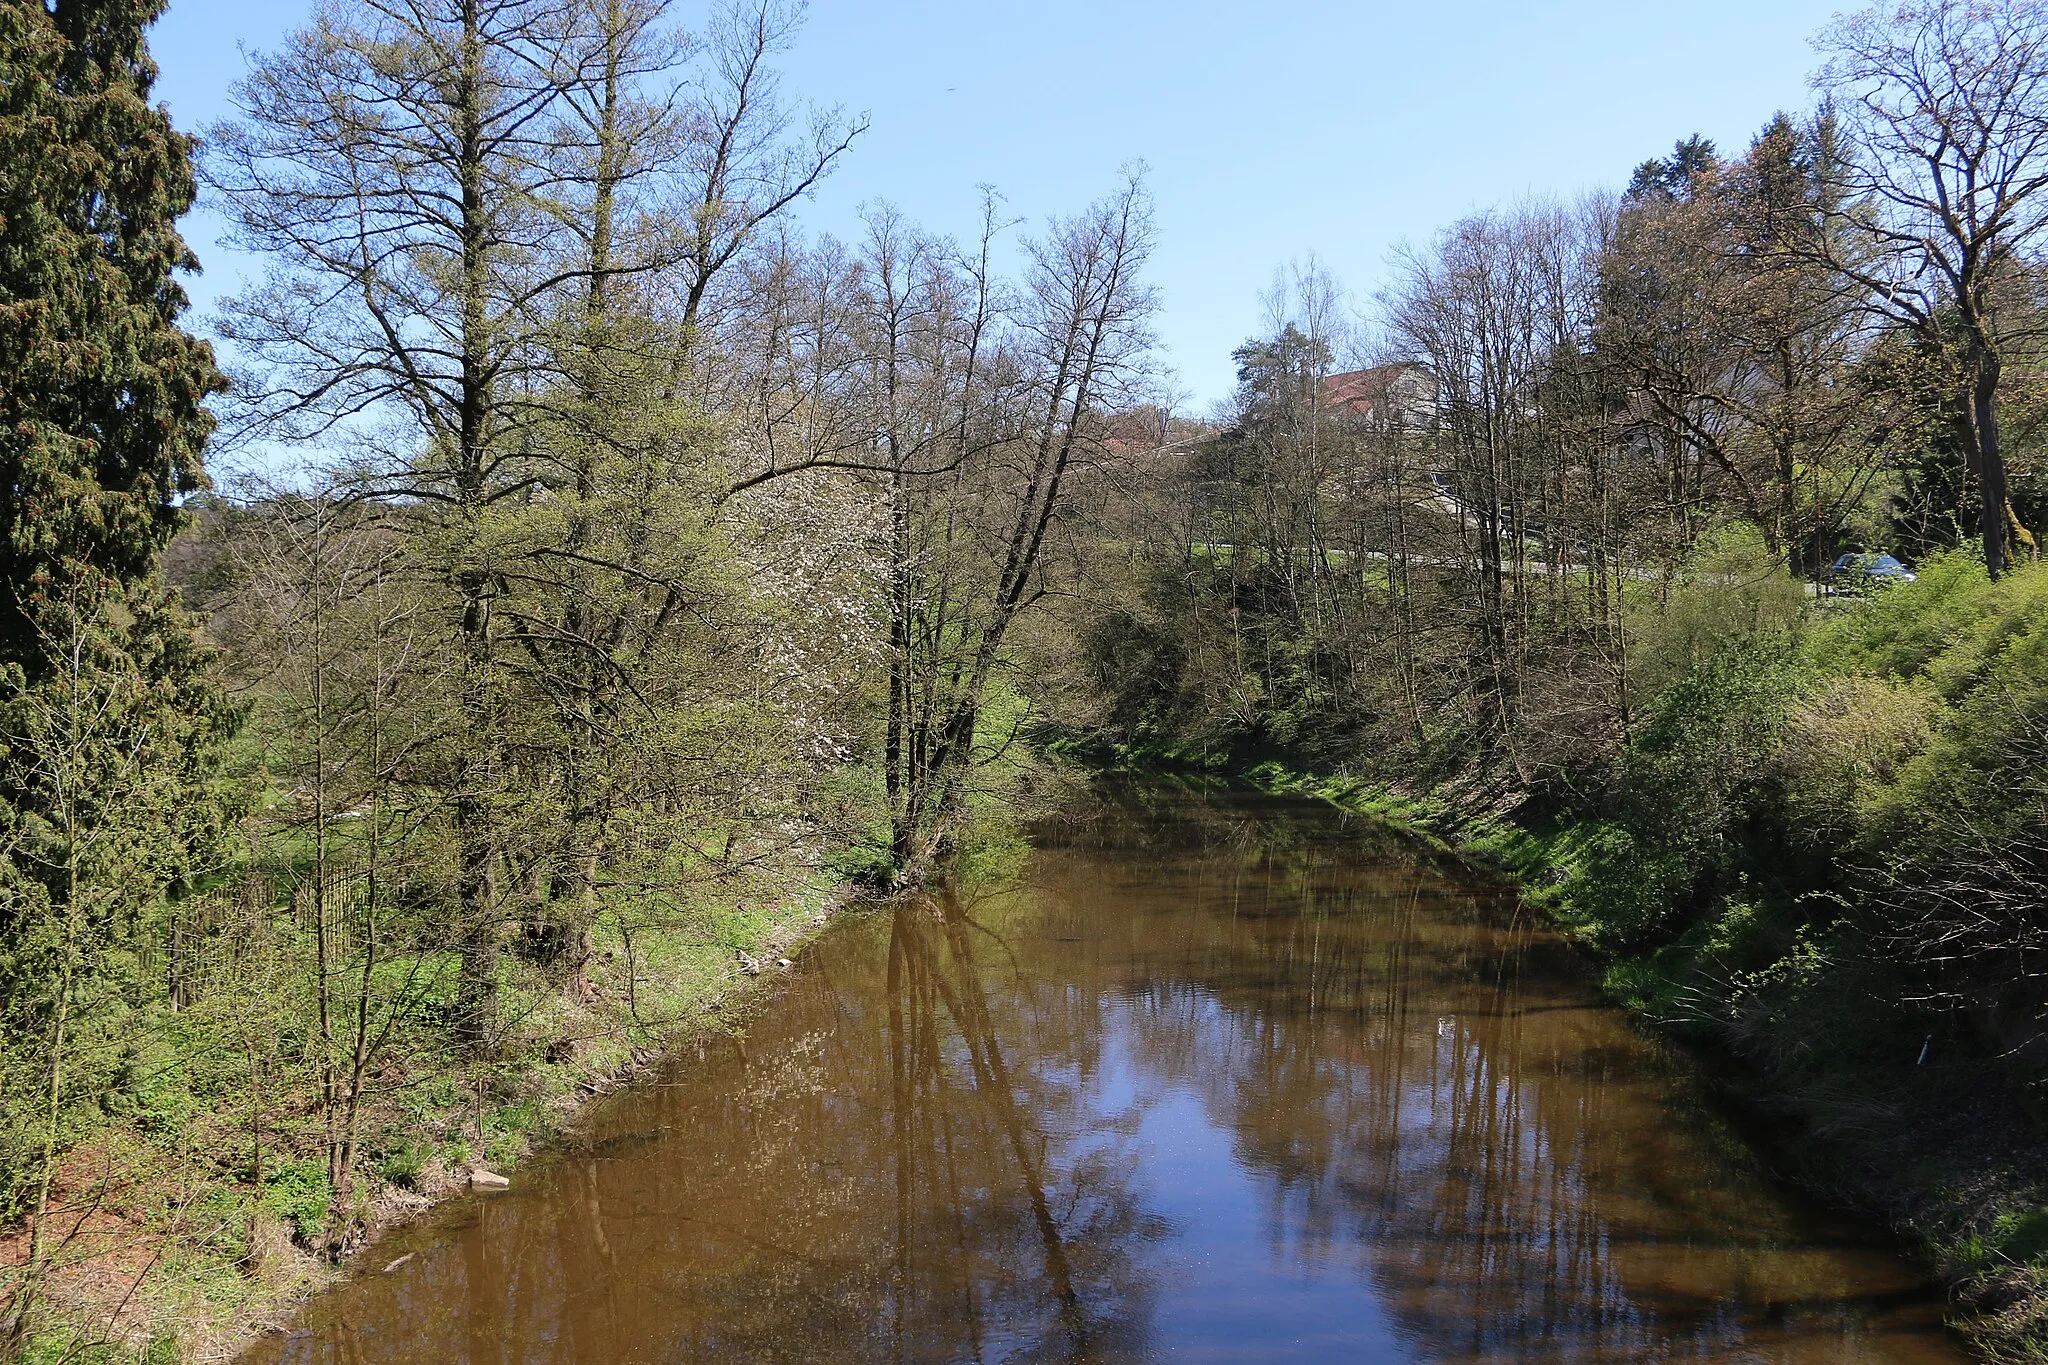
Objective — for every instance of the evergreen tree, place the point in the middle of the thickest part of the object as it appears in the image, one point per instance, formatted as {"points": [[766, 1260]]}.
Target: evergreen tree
{"points": [[1674, 177], [100, 391], [105, 704]]}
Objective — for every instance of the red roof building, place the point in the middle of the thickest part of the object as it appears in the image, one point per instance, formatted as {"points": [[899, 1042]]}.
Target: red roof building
{"points": [[1403, 393]]}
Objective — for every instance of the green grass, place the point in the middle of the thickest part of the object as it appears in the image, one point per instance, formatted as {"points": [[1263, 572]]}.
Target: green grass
{"points": [[176, 1126]]}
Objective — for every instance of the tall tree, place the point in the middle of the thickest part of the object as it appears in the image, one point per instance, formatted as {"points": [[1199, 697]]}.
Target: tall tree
{"points": [[394, 162], [104, 697], [667, 182], [743, 167], [1741, 356], [467, 205], [965, 411], [1944, 104], [973, 545]]}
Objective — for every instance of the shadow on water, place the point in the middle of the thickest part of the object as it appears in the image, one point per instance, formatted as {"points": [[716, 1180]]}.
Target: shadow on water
{"points": [[1212, 1079]]}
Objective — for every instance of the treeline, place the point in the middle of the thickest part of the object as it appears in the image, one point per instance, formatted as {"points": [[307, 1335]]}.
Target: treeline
{"points": [[1563, 561], [621, 569], [615, 570]]}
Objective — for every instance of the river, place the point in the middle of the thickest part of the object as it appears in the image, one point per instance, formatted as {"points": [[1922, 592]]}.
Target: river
{"points": [[1206, 1079]]}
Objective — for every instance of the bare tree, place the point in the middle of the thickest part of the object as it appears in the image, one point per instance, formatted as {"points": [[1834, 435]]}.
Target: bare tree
{"points": [[1473, 309], [326, 624], [967, 409], [743, 167], [1944, 104], [1083, 331]]}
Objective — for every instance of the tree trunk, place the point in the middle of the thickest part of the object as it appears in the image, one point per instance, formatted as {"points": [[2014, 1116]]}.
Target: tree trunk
{"points": [[1991, 480], [476, 988]]}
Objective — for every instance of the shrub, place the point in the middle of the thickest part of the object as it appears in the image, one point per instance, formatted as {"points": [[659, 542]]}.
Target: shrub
{"points": [[1698, 786], [1845, 741], [1897, 632], [1621, 891], [1982, 768], [1731, 592], [1702, 759]]}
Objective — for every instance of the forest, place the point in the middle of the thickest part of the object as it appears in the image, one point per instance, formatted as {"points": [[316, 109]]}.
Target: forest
{"points": [[619, 576]]}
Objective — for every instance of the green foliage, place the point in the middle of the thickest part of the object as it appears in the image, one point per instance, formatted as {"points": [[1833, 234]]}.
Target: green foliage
{"points": [[869, 863], [402, 1164], [107, 710], [1623, 886], [1136, 665], [100, 390], [1846, 741], [69, 1348], [2021, 1236], [739, 927], [1697, 796], [298, 1193], [1897, 632], [1732, 590], [1942, 748], [508, 1131]]}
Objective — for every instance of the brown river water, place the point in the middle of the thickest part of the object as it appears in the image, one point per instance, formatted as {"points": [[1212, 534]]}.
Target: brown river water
{"points": [[1206, 1079]]}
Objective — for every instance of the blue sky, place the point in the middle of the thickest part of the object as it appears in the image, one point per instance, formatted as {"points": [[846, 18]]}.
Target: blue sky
{"points": [[1271, 131]]}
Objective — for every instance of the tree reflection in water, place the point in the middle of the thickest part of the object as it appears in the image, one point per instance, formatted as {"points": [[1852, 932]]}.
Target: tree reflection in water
{"points": [[1217, 1080]]}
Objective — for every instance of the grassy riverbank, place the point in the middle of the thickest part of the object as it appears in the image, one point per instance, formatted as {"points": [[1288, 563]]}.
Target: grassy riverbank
{"points": [[1816, 844], [1865, 1100], [1868, 1101], [193, 1216]]}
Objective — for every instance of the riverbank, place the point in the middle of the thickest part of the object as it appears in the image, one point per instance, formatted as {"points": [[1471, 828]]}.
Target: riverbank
{"points": [[1858, 1103], [1811, 841], [176, 1245], [1208, 1074]]}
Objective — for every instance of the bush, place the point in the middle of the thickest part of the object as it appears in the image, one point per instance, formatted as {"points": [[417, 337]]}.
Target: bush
{"points": [[1732, 592], [1620, 891], [2021, 1237], [1846, 740], [1982, 767], [1698, 802], [1899, 631], [1925, 760]]}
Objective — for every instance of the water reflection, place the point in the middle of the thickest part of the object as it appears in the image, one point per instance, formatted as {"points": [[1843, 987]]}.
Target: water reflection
{"points": [[1217, 1080]]}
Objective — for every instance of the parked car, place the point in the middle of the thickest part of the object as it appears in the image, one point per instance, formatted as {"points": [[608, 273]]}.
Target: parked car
{"points": [[1858, 571]]}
